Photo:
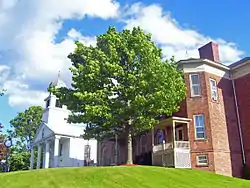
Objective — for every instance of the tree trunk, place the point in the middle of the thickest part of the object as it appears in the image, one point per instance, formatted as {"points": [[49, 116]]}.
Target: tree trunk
{"points": [[130, 149]]}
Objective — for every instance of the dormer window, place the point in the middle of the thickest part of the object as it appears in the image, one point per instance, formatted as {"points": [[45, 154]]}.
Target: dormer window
{"points": [[47, 103], [58, 104]]}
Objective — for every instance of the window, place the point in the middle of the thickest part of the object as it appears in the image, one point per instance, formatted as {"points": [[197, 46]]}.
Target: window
{"points": [[214, 91], [195, 85], [160, 136], [180, 134], [58, 104], [202, 160], [43, 133], [47, 103], [199, 126], [60, 150]]}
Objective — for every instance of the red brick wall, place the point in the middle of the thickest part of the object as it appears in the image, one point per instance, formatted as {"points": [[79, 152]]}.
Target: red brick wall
{"points": [[209, 167], [199, 105], [242, 86], [222, 136], [223, 120]]}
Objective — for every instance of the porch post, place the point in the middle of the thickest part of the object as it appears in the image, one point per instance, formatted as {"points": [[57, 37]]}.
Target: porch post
{"points": [[46, 155], [188, 131], [174, 134], [56, 151], [32, 158], [38, 161], [174, 143]]}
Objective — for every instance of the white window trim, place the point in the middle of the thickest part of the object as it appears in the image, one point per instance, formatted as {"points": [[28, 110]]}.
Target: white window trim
{"points": [[198, 161], [205, 136], [211, 89], [191, 84]]}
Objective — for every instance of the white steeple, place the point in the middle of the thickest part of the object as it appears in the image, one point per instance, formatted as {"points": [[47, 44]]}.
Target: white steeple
{"points": [[55, 112], [57, 83]]}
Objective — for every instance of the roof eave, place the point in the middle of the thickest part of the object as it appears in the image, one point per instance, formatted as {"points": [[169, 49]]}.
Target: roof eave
{"points": [[207, 61]]}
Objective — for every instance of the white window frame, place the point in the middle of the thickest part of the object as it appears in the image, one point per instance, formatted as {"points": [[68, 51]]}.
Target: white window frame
{"points": [[191, 85], [199, 160], [213, 89], [196, 126]]}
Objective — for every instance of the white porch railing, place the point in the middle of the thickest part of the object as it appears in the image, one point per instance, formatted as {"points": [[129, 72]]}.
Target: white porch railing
{"points": [[177, 144], [182, 144]]}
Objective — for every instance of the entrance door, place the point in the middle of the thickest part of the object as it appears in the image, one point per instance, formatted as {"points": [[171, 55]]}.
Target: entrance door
{"points": [[179, 134]]}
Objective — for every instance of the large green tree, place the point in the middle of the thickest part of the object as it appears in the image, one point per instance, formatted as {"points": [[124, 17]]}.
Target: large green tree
{"points": [[122, 85], [24, 127]]}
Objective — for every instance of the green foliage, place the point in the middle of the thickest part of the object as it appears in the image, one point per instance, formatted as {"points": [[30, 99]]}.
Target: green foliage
{"points": [[19, 159], [119, 177], [2, 92], [122, 85], [24, 127]]}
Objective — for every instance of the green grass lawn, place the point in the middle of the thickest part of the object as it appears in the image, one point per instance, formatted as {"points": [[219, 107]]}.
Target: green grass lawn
{"points": [[116, 177]]}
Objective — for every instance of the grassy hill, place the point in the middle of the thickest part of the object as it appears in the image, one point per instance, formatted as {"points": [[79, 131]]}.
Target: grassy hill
{"points": [[117, 177]]}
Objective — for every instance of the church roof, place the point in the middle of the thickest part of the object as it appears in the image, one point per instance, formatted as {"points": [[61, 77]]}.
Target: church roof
{"points": [[67, 130]]}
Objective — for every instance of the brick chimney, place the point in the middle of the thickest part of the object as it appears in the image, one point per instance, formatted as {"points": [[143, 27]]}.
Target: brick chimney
{"points": [[210, 51]]}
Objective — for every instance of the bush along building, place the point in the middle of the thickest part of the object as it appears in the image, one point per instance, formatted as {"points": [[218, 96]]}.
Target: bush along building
{"points": [[210, 132]]}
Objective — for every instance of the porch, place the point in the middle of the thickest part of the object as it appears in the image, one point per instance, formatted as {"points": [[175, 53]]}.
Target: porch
{"points": [[170, 142]]}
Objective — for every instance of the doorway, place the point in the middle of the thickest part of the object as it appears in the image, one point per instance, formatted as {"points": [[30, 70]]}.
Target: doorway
{"points": [[179, 134]]}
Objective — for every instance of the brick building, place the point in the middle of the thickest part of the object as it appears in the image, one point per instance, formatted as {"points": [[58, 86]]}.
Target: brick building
{"points": [[211, 131], [2, 149]]}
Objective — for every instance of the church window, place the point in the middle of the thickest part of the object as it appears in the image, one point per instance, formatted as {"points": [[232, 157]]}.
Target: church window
{"points": [[47, 103], [58, 104], [43, 133]]}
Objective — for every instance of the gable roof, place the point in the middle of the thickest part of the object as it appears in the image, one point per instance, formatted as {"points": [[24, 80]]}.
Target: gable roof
{"points": [[49, 132], [71, 130]]}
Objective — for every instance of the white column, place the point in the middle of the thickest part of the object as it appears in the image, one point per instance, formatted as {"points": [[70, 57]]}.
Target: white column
{"points": [[32, 158], [174, 143], [56, 151], [46, 155], [38, 162]]}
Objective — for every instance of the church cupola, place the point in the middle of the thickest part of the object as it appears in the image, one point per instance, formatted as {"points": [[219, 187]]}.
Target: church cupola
{"points": [[57, 83], [54, 110], [52, 101]]}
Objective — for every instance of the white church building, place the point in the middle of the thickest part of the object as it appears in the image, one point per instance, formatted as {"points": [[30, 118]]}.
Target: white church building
{"points": [[60, 143]]}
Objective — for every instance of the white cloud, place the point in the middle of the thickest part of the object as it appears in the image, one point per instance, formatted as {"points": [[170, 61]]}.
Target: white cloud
{"points": [[29, 50], [75, 35], [21, 95], [172, 38], [27, 40]]}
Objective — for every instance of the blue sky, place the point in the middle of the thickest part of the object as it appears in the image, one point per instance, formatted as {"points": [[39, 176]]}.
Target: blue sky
{"points": [[35, 38]]}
